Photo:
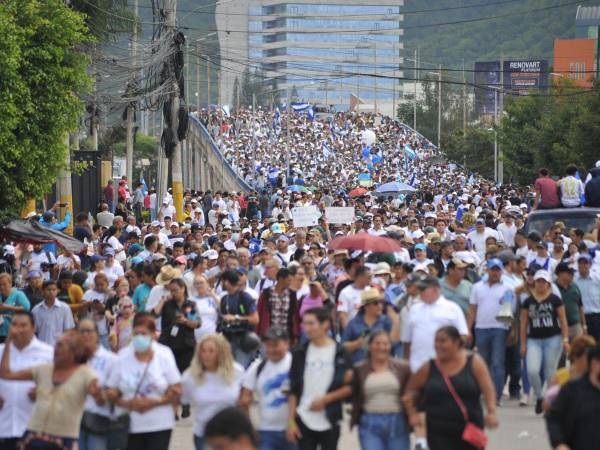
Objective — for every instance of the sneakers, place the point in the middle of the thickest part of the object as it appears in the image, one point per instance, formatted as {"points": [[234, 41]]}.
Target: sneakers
{"points": [[185, 411], [524, 400], [539, 407]]}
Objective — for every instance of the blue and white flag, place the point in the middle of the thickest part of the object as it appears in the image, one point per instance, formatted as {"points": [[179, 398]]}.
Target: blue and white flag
{"points": [[413, 179], [327, 152], [144, 186], [310, 114], [409, 152], [277, 119], [301, 106], [582, 198]]}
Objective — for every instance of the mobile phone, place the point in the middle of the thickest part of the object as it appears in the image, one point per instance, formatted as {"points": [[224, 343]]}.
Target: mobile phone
{"points": [[62, 205]]}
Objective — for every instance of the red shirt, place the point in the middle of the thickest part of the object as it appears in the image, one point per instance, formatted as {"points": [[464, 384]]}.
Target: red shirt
{"points": [[546, 186]]}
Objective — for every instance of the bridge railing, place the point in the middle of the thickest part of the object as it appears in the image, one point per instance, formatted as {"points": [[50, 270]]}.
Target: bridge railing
{"points": [[201, 129]]}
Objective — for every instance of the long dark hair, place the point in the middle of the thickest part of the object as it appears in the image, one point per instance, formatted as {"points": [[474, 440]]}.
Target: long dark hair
{"points": [[452, 333]]}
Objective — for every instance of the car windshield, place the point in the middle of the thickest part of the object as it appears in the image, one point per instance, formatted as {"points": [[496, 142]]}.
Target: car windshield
{"points": [[543, 222]]}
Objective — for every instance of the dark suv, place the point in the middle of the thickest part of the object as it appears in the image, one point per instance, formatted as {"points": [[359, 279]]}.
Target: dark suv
{"points": [[542, 219]]}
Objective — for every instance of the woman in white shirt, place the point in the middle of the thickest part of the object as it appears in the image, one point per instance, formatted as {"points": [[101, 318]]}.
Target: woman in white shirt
{"points": [[95, 417], [145, 383], [111, 237], [212, 383], [207, 307]]}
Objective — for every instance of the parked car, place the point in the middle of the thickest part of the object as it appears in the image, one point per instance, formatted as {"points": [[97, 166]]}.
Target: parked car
{"points": [[542, 219]]}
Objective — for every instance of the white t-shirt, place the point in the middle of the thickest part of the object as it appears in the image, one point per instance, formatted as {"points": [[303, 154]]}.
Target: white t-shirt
{"points": [[507, 233], [207, 310], [489, 300], [118, 248], [478, 240], [571, 189], [268, 390], [423, 322], [67, 262], [113, 272], [162, 372], [154, 297], [102, 363], [17, 409], [349, 301], [318, 375], [92, 295], [210, 397]]}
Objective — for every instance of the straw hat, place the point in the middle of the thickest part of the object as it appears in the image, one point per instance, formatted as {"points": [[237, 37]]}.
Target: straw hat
{"points": [[370, 295], [167, 273]]}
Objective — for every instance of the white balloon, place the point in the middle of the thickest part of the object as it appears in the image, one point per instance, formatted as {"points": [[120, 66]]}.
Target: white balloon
{"points": [[368, 137]]}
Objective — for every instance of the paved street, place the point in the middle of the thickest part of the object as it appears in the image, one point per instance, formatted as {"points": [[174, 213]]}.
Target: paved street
{"points": [[520, 429]]}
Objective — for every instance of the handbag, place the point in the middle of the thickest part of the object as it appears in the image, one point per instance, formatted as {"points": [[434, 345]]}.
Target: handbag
{"points": [[95, 423], [472, 433], [118, 428]]}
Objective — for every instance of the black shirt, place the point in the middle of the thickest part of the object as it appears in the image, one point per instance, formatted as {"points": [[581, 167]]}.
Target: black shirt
{"points": [[240, 303], [543, 316], [173, 335]]}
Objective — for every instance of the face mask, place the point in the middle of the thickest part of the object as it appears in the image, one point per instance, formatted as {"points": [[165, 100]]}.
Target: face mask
{"points": [[235, 237], [141, 343]]}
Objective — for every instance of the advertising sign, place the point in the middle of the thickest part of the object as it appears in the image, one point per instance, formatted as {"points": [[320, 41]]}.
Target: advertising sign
{"points": [[525, 75], [486, 78]]}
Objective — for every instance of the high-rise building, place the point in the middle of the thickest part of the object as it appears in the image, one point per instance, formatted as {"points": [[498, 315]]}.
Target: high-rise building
{"points": [[323, 52]]}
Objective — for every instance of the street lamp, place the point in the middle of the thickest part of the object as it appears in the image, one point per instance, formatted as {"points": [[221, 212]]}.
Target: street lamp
{"points": [[439, 130]]}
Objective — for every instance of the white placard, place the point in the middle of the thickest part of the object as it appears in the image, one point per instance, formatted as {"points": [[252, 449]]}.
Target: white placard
{"points": [[340, 215], [306, 216]]}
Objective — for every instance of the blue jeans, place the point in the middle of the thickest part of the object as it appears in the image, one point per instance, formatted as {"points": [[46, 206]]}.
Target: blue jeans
{"points": [[546, 351], [241, 357], [199, 442], [491, 345], [274, 440], [91, 441], [383, 432]]}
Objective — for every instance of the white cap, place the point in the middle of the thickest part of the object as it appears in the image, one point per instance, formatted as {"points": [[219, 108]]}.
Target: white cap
{"points": [[542, 275], [226, 223], [165, 200], [155, 223], [210, 254], [598, 163], [418, 234]]}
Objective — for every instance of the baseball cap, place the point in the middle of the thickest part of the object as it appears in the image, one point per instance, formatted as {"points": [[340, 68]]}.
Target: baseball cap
{"points": [[480, 221], [534, 236], [506, 256], [495, 263], [181, 260], [96, 258], [584, 256], [155, 223], [542, 275], [275, 333], [134, 248], [458, 263], [421, 246], [418, 234], [210, 254], [34, 274]]}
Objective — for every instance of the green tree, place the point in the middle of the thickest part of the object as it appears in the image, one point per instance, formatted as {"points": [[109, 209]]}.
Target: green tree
{"points": [[144, 147], [41, 78], [473, 148]]}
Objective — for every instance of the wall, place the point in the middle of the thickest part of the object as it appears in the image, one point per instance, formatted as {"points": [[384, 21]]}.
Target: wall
{"points": [[574, 59]]}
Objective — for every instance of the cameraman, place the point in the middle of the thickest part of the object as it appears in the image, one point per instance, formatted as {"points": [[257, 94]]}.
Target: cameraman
{"points": [[42, 260], [238, 316]]}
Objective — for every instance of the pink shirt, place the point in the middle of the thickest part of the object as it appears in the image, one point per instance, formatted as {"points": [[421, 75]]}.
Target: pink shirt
{"points": [[548, 190]]}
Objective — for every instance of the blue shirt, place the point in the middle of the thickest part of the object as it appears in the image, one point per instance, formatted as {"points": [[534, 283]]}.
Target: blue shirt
{"points": [[357, 327], [15, 298], [140, 296], [59, 226]]}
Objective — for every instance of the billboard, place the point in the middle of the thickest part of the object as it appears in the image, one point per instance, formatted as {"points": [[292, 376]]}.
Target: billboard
{"points": [[525, 75], [486, 78]]}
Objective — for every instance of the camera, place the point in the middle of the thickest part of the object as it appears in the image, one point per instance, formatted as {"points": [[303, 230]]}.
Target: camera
{"points": [[47, 266]]}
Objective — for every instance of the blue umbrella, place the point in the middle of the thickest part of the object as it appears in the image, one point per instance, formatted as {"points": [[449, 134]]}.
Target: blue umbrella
{"points": [[395, 186]]}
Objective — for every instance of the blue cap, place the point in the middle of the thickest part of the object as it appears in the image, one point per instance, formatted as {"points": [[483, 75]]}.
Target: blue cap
{"points": [[96, 258], [109, 251], [421, 246], [495, 263], [136, 260], [241, 270], [134, 248], [584, 256], [34, 274]]}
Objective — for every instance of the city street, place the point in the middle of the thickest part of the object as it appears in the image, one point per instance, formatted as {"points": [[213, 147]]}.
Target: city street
{"points": [[520, 429]]}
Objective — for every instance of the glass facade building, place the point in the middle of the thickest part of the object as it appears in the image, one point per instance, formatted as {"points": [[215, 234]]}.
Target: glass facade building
{"points": [[330, 50]]}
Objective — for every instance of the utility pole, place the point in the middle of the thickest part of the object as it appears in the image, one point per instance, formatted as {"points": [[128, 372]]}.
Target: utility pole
{"points": [[464, 99], [416, 80], [253, 101], [176, 163], [500, 179], [439, 131], [288, 107], [208, 82], [198, 77], [375, 70], [130, 111], [65, 194], [495, 135]]}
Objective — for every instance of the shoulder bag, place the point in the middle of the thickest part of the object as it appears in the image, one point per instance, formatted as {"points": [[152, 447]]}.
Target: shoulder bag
{"points": [[472, 433], [118, 429]]}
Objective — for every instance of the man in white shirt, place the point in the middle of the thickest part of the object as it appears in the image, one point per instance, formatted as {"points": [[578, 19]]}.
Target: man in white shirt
{"points": [[267, 379], [570, 188], [377, 228], [487, 298], [166, 209], [349, 300], [507, 230], [479, 235], [425, 318], [52, 317], [16, 406], [105, 218]]}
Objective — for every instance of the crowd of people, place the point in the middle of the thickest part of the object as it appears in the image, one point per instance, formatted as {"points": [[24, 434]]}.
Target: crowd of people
{"points": [[237, 308]]}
